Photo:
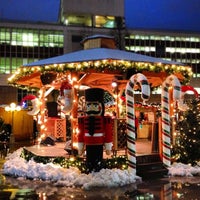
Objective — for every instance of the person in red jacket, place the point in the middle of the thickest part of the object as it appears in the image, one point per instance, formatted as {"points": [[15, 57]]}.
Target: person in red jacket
{"points": [[95, 130]]}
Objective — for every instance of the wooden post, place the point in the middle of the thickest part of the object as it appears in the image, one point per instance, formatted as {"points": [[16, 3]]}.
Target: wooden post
{"points": [[42, 113], [74, 114]]}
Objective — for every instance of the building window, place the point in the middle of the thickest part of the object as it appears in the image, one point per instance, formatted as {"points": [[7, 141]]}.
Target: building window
{"points": [[21, 46], [105, 21], [178, 48], [77, 20], [4, 36], [22, 93], [4, 65]]}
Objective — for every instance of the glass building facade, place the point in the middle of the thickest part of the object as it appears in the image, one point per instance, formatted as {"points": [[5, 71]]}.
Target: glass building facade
{"points": [[176, 47], [20, 46]]}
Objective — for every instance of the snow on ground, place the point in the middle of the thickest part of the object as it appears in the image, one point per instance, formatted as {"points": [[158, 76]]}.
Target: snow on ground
{"points": [[72, 177], [179, 169]]}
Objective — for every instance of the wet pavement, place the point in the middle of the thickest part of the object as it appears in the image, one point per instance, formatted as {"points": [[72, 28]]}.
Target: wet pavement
{"points": [[164, 189], [187, 188]]}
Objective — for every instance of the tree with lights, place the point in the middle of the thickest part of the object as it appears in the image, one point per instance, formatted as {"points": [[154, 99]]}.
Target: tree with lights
{"points": [[187, 147]]}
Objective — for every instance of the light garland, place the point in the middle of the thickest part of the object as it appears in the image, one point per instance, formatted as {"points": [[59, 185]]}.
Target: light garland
{"points": [[103, 66], [119, 162]]}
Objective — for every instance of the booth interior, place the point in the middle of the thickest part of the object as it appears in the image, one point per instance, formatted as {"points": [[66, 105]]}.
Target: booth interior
{"points": [[59, 128]]}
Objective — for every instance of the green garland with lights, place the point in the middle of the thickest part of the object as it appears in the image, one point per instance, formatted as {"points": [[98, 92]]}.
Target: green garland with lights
{"points": [[120, 162], [103, 66]]}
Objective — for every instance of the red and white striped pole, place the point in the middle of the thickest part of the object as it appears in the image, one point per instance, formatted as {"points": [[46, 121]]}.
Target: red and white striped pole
{"points": [[130, 115], [170, 82]]}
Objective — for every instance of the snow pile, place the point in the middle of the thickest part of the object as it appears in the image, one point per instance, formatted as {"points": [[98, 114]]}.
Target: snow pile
{"points": [[19, 167], [179, 169], [72, 177]]}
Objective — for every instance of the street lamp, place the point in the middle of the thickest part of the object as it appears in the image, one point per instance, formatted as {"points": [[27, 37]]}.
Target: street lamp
{"points": [[12, 108]]}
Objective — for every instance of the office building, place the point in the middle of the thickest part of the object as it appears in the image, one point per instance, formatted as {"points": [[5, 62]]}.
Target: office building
{"points": [[23, 42]]}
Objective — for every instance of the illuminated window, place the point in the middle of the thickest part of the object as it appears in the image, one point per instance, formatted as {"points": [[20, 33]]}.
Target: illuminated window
{"points": [[78, 20], [4, 65], [140, 48], [182, 50], [105, 21], [21, 46], [4, 35]]}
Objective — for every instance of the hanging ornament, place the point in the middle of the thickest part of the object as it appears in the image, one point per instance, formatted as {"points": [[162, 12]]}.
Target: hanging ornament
{"points": [[48, 77]]}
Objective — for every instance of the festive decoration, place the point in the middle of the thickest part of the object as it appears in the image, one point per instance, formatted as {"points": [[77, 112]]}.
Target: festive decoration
{"points": [[49, 91], [187, 146], [183, 106], [95, 129], [171, 83], [47, 77], [81, 105], [120, 66], [35, 103], [185, 88], [65, 100], [27, 97], [145, 88], [119, 162]]}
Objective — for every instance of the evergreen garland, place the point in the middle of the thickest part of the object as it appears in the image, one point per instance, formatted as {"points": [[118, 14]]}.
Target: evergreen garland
{"points": [[120, 162]]}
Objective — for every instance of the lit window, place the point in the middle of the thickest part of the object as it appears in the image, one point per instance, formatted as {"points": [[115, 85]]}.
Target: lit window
{"points": [[182, 50], [34, 40], [105, 21], [78, 20]]}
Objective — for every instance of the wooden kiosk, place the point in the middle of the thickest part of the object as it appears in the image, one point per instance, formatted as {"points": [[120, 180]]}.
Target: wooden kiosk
{"points": [[98, 65]]}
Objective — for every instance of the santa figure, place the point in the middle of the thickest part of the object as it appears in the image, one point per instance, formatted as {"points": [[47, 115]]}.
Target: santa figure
{"points": [[95, 130], [65, 100], [35, 104]]}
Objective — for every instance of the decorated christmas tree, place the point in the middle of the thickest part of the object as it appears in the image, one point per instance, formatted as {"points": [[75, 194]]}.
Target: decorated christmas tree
{"points": [[187, 144]]}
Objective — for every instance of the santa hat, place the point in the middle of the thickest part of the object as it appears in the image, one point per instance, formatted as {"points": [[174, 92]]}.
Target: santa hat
{"points": [[35, 104], [65, 86], [27, 97]]}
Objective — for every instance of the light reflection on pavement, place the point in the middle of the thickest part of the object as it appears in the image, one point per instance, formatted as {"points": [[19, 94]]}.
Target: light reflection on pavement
{"points": [[174, 188], [165, 189]]}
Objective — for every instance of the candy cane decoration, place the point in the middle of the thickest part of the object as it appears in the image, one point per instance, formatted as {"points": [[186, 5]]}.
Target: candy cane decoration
{"points": [[171, 81], [130, 115]]}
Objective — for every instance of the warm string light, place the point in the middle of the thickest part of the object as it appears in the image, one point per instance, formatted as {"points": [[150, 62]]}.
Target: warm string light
{"points": [[114, 162], [110, 65], [43, 93], [13, 107], [187, 135]]}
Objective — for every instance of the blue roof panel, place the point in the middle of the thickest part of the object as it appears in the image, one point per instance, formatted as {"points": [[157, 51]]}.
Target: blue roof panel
{"points": [[99, 54]]}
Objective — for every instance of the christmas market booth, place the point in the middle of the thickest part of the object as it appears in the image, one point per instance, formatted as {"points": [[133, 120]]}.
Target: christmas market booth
{"points": [[60, 83]]}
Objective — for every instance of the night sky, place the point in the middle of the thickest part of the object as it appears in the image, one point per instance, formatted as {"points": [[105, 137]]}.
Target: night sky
{"points": [[175, 15], [30, 10], [180, 15]]}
